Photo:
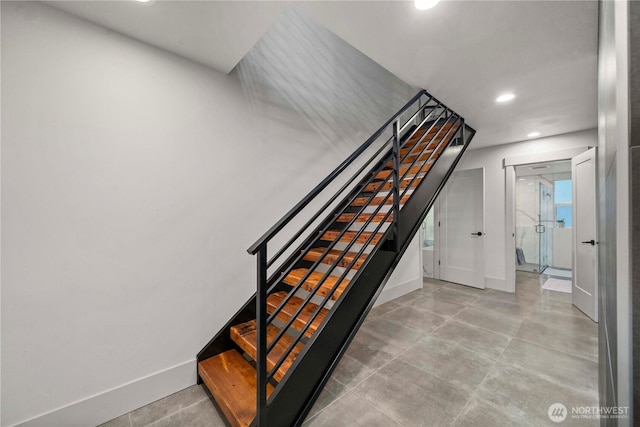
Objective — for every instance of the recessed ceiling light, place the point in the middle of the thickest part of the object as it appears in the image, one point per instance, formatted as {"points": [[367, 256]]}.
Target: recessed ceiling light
{"points": [[425, 4], [144, 1], [521, 179], [533, 134], [505, 97]]}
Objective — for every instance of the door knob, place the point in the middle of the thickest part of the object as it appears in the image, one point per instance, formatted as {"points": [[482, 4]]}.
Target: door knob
{"points": [[479, 233], [591, 242]]}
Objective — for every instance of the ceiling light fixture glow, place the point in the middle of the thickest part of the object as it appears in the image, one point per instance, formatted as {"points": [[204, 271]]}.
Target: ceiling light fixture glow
{"points": [[505, 97], [143, 1], [533, 134], [425, 4]]}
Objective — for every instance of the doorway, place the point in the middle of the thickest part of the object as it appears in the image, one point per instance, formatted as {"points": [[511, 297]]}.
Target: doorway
{"points": [[543, 218], [453, 232]]}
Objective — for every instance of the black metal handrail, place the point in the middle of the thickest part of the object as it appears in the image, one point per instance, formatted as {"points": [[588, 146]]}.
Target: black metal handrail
{"points": [[262, 241], [267, 284]]}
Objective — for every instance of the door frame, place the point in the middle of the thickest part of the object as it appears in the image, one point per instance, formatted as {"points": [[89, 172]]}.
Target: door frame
{"points": [[438, 238], [509, 165]]}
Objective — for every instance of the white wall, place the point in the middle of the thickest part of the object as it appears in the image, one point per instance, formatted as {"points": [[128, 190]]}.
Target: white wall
{"points": [[132, 183], [491, 158]]}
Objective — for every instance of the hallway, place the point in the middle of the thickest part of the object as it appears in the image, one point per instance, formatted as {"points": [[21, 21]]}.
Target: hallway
{"points": [[446, 355]]}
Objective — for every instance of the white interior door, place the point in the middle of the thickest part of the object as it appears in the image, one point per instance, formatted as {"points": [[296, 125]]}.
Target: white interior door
{"points": [[585, 248], [461, 229]]}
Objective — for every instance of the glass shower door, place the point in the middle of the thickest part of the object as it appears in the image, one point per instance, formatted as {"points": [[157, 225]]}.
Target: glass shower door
{"points": [[543, 228]]}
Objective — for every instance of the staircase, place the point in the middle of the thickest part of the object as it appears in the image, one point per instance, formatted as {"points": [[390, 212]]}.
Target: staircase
{"points": [[267, 366]]}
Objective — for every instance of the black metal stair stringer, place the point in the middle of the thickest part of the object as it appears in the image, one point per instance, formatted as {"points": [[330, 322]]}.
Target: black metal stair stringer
{"points": [[304, 381]]}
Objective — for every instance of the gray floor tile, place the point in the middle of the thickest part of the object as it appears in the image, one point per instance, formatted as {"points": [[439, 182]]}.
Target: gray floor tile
{"points": [[462, 288], [388, 337], [556, 338], [479, 413], [486, 319], [557, 296], [570, 324], [414, 318], [559, 307], [408, 298], [428, 282], [502, 307], [333, 390], [450, 362], [170, 404], [360, 361], [412, 396], [351, 410], [201, 414], [383, 309], [123, 421], [487, 343], [527, 396], [436, 306], [452, 295], [513, 297], [553, 365]]}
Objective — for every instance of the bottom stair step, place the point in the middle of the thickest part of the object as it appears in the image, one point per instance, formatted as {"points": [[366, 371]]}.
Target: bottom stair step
{"points": [[232, 382], [245, 335]]}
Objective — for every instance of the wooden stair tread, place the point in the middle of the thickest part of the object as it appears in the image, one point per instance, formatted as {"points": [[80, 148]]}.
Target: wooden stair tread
{"points": [[379, 217], [246, 336], [374, 187], [294, 277], [417, 149], [274, 300], [418, 168], [421, 157], [438, 128], [232, 382], [376, 201], [330, 258], [348, 236]]}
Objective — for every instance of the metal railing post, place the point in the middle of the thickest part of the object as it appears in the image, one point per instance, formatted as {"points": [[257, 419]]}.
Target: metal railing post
{"points": [[261, 329], [396, 182]]}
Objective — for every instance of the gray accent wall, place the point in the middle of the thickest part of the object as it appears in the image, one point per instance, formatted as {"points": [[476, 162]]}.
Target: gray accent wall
{"points": [[634, 167], [607, 206], [619, 207]]}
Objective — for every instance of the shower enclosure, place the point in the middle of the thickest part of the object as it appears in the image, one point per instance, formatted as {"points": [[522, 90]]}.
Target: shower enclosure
{"points": [[534, 221]]}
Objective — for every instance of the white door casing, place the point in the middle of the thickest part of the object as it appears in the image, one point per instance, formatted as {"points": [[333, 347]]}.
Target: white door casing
{"points": [[461, 229], [585, 247]]}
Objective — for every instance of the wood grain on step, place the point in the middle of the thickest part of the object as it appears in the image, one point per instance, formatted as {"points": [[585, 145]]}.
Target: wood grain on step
{"points": [[245, 335], [376, 201], [295, 276], [232, 383], [332, 256], [421, 168], [300, 321], [379, 217], [387, 185], [348, 236]]}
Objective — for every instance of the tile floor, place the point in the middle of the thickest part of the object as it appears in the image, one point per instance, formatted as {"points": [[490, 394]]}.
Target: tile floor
{"points": [[445, 355]]}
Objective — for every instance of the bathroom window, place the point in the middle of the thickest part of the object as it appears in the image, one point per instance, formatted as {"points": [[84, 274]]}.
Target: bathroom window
{"points": [[563, 202]]}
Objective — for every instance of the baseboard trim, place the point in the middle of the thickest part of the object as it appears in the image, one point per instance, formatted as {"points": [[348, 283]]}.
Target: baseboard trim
{"points": [[389, 294], [110, 404], [495, 283]]}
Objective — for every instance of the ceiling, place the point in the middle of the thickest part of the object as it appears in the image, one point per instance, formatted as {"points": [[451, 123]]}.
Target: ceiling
{"points": [[465, 53]]}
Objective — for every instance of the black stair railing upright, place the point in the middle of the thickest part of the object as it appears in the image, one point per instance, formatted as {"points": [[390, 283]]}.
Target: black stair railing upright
{"points": [[439, 126]]}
